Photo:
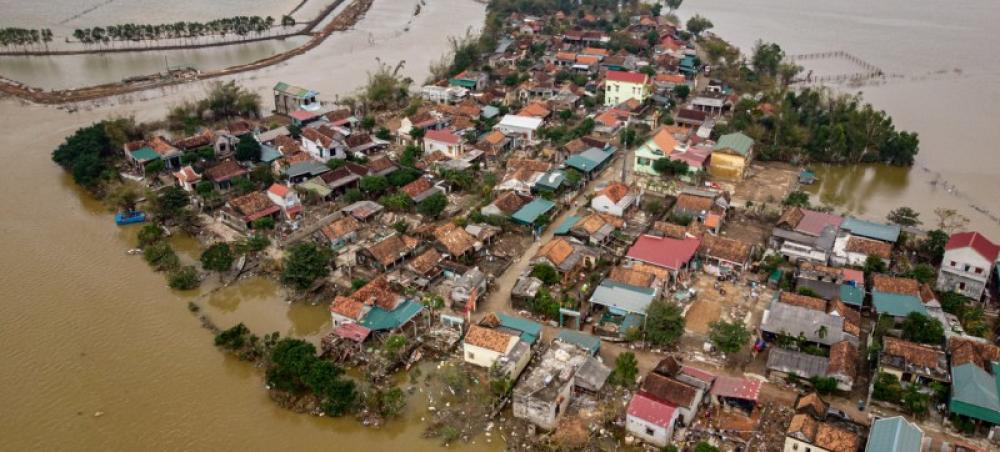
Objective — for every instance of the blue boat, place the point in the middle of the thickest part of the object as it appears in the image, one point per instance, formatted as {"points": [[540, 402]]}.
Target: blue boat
{"points": [[129, 217]]}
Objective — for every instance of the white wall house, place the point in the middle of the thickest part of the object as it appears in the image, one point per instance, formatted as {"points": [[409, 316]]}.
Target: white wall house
{"points": [[321, 146], [522, 127], [483, 346], [445, 141], [615, 200], [650, 420], [968, 260]]}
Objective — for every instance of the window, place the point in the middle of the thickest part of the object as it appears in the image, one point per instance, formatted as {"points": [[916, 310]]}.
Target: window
{"points": [[471, 355], [650, 431], [961, 286], [795, 446], [967, 267], [954, 264], [979, 270]]}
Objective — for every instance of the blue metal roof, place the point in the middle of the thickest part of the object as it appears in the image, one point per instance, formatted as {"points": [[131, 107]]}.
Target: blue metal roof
{"points": [[269, 154], [877, 231], [380, 319], [530, 331], [566, 225], [585, 341], [590, 159], [894, 434], [531, 211], [896, 305], [623, 297], [551, 181]]}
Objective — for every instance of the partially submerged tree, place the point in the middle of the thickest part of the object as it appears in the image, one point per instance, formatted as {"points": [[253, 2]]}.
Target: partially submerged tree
{"points": [[304, 264]]}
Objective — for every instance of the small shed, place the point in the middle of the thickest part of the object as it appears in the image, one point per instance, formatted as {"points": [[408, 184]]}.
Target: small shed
{"points": [[591, 344]]}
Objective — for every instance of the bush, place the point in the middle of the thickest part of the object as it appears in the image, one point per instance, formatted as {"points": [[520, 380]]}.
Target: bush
{"points": [[887, 388], [923, 329], [546, 273], [161, 256], [263, 224], [824, 385], [149, 234], [664, 323], [305, 264], [184, 278], [433, 205], [625, 371]]}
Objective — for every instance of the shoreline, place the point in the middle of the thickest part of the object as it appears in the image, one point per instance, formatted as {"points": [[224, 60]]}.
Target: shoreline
{"points": [[350, 16]]}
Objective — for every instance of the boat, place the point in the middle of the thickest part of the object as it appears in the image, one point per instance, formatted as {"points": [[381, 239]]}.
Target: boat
{"points": [[129, 217]]}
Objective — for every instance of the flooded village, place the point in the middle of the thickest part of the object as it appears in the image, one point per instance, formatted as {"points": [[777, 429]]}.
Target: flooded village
{"points": [[588, 229]]}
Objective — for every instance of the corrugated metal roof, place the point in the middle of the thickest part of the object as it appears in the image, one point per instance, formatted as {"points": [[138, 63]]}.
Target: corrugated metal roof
{"points": [[585, 341], [534, 209], [530, 331], [589, 160], [802, 364], [624, 297], [894, 434], [896, 305], [736, 142], [566, 225], [145, 154], [379, 319], [974, 392], [852, 295], [789, 320], [877, 231]]}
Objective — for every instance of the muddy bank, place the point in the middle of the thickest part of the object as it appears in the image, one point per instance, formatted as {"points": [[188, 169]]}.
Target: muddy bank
{"points": [[343, 21]]}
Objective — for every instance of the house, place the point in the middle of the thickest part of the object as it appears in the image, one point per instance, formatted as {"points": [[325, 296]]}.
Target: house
{"points": [[523, 175], [471, 80], [535, 110], [663, 143], [723, 255], [783, 319], [506, 204], [698, 204], [674, 255], [455, 240], [586, 342], [521, 128], [913, 363], [615, 199], [665, 388], [896, 297], [187, 178], [636, 277], [805, 433], [344, 178], [968, 262], [223, 173], [620, 86], [567, 256], [443, 94], [469, 284], [285, 198], [731, 156], [854, 251], [420, 189], [388, 311], [690, 117], [346, 310], [426, 120], [240, 212], [735, 392], [545, 393], [894, 434], [494, 144], [591, 161], [289, 98], [806, 235], [888, 233], [304, 170], [830, 283], [363, 144], [711, 103], [650, 420], [444, 141], [323, 143], [841, 364], [485, 347], [975, 380], [341, 231], [533, 211], [388, 252], [363, 210], [595, 228], [381, 166]]}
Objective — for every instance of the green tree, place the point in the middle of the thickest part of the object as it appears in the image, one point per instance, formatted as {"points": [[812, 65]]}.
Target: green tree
{"points": [[149, 234], [705, 447], [672, 5], [161, 256], [923, 272], [824, 385], [681, 92], [904, 216], [728, 337], [887, 388], [916, 402], [544, 304], [263, 224], [697, 24], [183, 278], [874, 264], [353, 195], [168, 203], [204, 188], [797, 199], [767, 58], [417, 133], [932, 248], [251, 245], [373, 185], [218, 258], [396, 202], [546, 273], [664, 323], [433, 205], [625, 371], [248, 149], [304, 264], [394, 344], [368, 122], [668, 166], [923, 329]]}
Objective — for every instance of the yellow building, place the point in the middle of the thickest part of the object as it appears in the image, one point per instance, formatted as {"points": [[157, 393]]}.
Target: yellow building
{"points": [[620, 86], [731, 156]]}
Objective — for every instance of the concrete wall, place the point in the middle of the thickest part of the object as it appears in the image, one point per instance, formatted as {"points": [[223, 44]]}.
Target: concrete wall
{"points": [[659, 437], [727, 166], [542, 413], [479, 356]]}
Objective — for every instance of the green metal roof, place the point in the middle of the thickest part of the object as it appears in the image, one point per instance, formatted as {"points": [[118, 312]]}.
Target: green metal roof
{"points": [[623, 297], [379, 319], [590, 159], [531, 211], [551, 181], [269, 154], [852, 295], [530, 331], [974, 392], [877, 231], [293, 90], [737, 142], [896, 305], [585, 341], [145, 154], [894, 434], [566, 225], [463, 82]]}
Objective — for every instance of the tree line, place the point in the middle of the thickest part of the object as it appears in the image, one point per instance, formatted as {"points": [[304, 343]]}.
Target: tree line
{"points": [[25, 37], [241, 26]]}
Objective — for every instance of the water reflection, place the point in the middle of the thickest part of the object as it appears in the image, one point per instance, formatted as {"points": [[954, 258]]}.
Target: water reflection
{"points": [[850, 188]]}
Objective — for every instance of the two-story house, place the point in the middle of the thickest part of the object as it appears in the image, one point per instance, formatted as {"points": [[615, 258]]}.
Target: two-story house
{"points": [[968, 261], [620, 86]]}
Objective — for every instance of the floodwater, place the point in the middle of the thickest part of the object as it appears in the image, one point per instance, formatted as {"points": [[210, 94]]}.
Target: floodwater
{"points": [[88, 329], [944, 85]]}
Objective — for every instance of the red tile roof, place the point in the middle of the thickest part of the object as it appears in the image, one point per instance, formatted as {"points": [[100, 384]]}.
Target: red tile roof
{"points": [[627, 77], [279, 190], [976, 241], [443, 136], [651, 411], [664, 251]]}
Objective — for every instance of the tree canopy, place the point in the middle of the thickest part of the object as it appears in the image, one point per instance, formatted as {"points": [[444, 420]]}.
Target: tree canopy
{"points": [[728, 337], [923, 329], [304, 264], [664, 323], [433, 205], [904, 216], [625, 371], [295, 368], [218, 258], [248, 149]]}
